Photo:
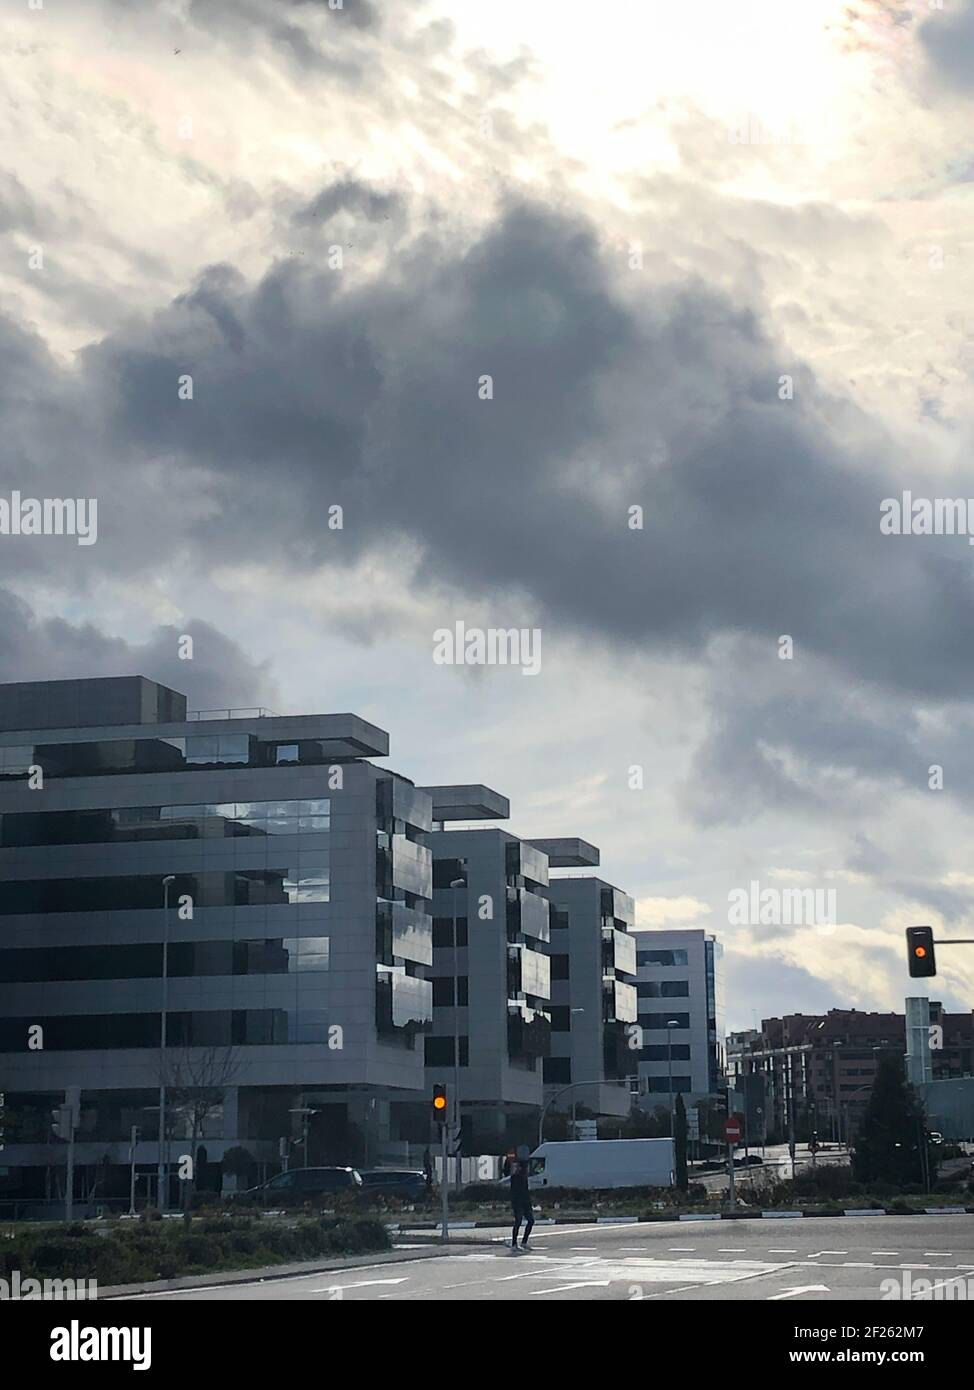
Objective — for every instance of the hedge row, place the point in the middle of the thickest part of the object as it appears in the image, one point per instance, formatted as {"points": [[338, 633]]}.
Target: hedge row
{"points": [[157, 1250]]}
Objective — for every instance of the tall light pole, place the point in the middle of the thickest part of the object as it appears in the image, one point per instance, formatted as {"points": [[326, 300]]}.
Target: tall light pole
{"points": [[570, 1012], [454, 885], [549, 1103], [161, 1193], [671, 1024]]}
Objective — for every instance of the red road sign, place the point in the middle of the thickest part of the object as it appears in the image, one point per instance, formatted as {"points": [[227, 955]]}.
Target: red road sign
{"points": [[732, 1131]]}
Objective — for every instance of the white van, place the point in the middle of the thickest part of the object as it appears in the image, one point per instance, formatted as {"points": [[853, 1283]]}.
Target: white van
{"points": [[603, 1163]]}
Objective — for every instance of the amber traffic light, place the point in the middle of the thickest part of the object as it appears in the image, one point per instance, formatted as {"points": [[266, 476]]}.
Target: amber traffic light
{"points": [[919, 952], [439, 1104]]}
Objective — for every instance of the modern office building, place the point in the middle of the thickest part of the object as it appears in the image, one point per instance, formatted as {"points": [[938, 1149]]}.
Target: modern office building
{"points": [[289, 878], [593, 985], [492, 888], [680, 988]]}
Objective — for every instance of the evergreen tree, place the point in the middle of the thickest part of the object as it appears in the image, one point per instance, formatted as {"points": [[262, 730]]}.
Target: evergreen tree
{"points": [[889, 1147], [680, 1143]]}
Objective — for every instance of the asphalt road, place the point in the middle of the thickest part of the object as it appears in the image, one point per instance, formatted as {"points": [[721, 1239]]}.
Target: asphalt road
{"points": [[803, 1259]]}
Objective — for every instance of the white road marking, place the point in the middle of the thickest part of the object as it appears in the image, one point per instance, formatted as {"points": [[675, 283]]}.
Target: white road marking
{"points": [[793, 1293], [562, 1288], [773, 1251], [362, 1284], [682, 1247]]}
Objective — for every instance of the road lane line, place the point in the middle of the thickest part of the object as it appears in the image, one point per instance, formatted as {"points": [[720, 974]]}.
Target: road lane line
{"points": [[793, 1293], [563, 1288]]}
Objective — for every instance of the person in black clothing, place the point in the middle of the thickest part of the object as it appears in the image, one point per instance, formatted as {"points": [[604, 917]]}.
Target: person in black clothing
{"points": [[517, 1171]]}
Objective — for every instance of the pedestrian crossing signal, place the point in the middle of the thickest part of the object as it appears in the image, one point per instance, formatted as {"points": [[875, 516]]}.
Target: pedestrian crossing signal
{"points": [[919, 952], [439, 1104]]}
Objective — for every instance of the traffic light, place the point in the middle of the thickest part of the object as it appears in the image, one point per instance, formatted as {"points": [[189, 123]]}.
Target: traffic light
{"points": [[919, 952], [61, 1118], [439, 1104]]}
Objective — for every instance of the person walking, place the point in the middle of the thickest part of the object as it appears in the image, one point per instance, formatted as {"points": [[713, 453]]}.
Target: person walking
{"points": [[517, 1170]]}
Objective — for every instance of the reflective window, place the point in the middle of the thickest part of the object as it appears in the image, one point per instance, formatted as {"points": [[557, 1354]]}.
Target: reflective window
{"points": [[16, 759], [142, 961], [241, 887], [661, 1020], [661, 958], [214, 749], [198, 1028], [663, 989], [226, 819]]}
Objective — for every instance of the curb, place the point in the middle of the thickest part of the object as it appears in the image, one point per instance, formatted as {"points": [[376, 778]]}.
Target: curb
{"points": [[691, 1216], [268, 1273]]}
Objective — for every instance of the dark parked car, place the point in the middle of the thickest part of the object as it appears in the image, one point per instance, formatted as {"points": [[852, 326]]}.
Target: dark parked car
{"points": [[408, 1184], [303, 1185]]}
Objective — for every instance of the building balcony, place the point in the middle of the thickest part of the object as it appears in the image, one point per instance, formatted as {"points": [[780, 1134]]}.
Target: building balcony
{"points": [[617, 906], [618, 952], [528, 972], [403, 933], [528, 914], [403, 1003], [528, 1032], [412, 867], [619, 1002]]}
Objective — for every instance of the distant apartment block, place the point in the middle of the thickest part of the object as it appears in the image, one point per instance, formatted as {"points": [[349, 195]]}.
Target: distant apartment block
{"points": [[593, 984], [815, 1072], [493, 887], [680, 988]]}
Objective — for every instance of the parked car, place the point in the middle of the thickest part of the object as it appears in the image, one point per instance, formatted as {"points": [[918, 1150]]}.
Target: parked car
{"points": [[409, 1184], [302, 1185]]}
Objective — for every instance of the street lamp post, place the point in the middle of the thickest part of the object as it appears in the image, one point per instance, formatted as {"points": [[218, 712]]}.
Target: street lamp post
{"points": [[455, 884], [161, 1193], [549, 1103], [570, 1012], [305, 1111], [671, 1024]]}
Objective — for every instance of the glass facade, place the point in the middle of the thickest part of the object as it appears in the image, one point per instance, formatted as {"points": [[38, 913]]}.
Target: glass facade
{"points": [[285, 955], [662, 958], [197, 1028], [133, 824], [305, 883], [108, 757]]}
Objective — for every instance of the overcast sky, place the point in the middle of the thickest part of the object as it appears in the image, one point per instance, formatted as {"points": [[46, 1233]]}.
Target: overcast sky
{"points": [[638, 219]]}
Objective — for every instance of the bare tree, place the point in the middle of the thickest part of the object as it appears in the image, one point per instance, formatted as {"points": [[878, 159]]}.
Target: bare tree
{"points": [[196, 1081]]}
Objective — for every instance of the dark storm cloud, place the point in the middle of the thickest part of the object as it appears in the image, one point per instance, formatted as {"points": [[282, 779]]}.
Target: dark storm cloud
{"points": [[948, 38], [316, 386], [818, 746], [219, 674], [348, 195]]}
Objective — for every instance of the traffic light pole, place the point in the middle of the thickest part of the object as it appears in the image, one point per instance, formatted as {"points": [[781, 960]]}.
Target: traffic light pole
{"points": [[444, 1186], [69, 1188]]}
